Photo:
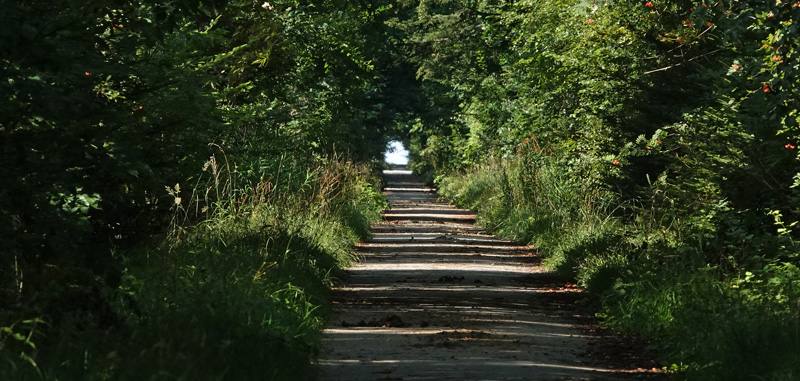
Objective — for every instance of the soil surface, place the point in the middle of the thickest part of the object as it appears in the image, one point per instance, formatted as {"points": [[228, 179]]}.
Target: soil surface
{"points": [[437, 298]]}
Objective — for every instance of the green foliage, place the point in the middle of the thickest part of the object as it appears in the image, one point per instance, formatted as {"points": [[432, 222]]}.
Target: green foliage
{"points": [[648, 148], [239, 295], [111, 233]]}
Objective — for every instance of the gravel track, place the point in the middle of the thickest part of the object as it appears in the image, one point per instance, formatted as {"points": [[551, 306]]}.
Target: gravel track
{"points": [[437, 298]]}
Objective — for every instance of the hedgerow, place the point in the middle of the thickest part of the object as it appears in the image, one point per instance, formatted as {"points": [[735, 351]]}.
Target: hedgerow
{"points": [[648, 148], [180, 180]]}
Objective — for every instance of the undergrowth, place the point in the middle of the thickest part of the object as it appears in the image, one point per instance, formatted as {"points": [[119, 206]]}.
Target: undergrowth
{"points": [[239, 294], [708, 321]]}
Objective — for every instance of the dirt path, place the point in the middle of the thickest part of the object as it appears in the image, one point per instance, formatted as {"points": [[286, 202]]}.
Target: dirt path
{"points": [[436, 298]]}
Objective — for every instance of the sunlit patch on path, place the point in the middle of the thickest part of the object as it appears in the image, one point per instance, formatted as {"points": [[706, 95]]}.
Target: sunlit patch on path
{"points": [[437, 298]]}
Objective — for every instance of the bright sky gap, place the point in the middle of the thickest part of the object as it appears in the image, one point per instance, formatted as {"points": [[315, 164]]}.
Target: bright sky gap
{"points": [[396, 153]]}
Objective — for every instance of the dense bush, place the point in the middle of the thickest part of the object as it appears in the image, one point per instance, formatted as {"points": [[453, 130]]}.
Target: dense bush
{"points": [[179, 182], [647, 147], [240, 295], [176, 167]]}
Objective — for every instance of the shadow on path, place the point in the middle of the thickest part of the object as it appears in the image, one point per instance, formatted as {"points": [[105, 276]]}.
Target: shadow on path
{"points": [[436, 298]]}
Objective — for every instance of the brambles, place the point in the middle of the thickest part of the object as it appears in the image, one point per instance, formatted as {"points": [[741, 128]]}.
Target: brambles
{"points": [[107, 103], [648, 146], [664, 139]]}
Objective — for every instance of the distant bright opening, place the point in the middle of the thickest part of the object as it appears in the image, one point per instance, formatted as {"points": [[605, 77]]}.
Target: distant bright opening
{"points": [[396, 153]]}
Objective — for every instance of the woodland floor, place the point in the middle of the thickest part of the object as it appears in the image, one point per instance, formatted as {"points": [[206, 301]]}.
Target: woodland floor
{"points": [[437, 298]]}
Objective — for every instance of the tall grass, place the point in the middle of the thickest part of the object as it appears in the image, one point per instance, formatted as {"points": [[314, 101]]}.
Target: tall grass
{"points": [[538, 204], [707, 321], [235, 292]]}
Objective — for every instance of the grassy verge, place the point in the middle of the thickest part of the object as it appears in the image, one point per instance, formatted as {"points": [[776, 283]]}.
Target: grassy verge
{"points": [[239, 295], [708, 321]]}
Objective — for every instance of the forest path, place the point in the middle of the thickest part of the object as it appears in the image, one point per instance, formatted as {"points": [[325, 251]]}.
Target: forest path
{"points": [[437, 298]]}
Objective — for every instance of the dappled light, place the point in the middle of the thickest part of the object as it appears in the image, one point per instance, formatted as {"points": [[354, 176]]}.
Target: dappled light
{"points": [[438, 298], [196, 190]]}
